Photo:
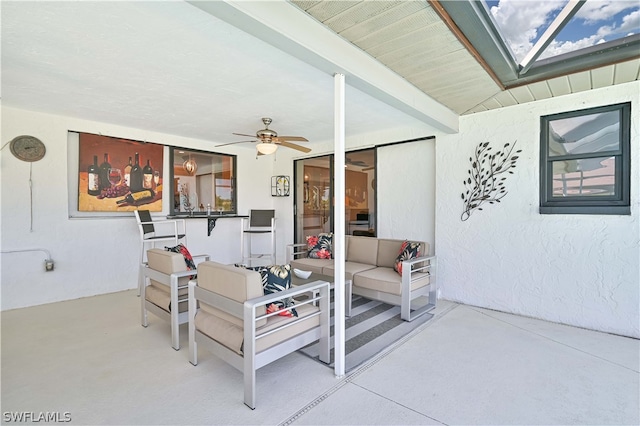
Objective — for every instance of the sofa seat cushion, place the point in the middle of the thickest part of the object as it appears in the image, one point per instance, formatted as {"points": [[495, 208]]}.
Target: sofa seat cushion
{"points": [[387, 280], [160, 296], [313, 265], [350, 269], [230, 334]]}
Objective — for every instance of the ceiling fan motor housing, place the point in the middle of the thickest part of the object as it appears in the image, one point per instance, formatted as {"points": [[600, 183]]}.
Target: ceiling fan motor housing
{"points": [[266, 134]]}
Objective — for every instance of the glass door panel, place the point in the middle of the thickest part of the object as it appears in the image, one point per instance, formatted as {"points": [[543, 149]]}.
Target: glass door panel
{"points": [[313, 195]]}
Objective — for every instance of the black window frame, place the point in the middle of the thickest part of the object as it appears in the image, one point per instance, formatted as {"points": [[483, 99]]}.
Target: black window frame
{"points": [[233, 183], [617, 204]]}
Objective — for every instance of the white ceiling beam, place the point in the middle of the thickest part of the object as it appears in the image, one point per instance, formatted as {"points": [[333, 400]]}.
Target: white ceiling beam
{"points": [[288, 28]]}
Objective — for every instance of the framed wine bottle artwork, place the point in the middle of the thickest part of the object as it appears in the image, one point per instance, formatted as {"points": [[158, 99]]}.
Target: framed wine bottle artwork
{"points": [[119, 175]]}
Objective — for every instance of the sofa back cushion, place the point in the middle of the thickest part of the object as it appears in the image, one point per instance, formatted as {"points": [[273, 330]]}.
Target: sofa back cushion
{"points": [[238, 284], [362, 250], [388, 251]]}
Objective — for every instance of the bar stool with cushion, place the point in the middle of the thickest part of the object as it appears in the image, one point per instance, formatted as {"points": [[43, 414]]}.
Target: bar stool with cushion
{"points": [[260, 222], [174, 231]]}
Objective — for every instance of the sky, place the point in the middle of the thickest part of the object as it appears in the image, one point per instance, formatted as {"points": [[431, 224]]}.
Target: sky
{"points": [[522, 22]]}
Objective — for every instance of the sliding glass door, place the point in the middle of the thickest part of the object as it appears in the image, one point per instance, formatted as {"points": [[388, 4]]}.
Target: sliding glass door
{"points": [[314, 195]]}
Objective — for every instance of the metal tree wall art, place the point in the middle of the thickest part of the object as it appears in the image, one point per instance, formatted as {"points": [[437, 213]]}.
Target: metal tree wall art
{"points": [[484, 183]]}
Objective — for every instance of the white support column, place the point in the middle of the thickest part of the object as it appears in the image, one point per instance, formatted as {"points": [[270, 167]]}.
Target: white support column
{"points": [[339, 225]]}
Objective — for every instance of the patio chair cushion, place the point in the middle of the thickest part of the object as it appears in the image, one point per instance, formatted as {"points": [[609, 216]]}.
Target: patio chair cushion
{"points": [[188, 259], [237, 284], [231, 335], [160, 296]]}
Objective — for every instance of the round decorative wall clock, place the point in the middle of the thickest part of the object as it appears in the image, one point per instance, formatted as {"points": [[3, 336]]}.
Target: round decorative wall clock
{"points": [[27, 148]]}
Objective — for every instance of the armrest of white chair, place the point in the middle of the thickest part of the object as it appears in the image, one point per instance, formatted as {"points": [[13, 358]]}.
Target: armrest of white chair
{"points": [[294, 251], [197, 258], [413, 270], [174, 222], [164, 278]]}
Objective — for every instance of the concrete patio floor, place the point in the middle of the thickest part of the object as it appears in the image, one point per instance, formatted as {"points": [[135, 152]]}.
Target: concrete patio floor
{"points": [[90, 358]]}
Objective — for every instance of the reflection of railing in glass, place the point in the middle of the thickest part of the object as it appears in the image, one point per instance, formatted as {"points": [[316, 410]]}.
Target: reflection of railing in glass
{"points": [[584, 177]]}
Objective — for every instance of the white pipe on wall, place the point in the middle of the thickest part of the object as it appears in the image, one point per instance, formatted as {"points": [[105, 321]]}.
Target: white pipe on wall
{"points": [[48, 262]]}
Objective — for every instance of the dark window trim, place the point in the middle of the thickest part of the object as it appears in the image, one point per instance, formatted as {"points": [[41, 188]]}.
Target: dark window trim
{"points": [[234, 185], [619, 204]]}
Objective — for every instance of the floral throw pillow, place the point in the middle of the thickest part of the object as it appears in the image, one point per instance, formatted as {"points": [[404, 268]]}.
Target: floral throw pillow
{"points": [[408, 250], [275, 278], [319, 247], [188, 259]]}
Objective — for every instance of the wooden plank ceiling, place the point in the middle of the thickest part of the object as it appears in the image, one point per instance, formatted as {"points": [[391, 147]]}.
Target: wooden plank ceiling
{"points": [[411, 39]]}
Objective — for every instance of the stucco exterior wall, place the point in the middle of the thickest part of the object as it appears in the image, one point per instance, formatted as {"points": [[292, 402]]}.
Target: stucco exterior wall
{"points": [[582, 270], [92, 255]]}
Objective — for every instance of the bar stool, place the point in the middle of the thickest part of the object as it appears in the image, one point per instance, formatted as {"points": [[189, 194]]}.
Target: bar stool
{"points": [[260, 222]]}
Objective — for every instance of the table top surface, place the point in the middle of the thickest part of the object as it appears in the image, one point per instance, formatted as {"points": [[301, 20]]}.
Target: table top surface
{"points": [[295, 280]]}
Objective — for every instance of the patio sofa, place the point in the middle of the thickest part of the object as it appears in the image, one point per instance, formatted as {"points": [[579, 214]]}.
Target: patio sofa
{"points": [[370, 265]]}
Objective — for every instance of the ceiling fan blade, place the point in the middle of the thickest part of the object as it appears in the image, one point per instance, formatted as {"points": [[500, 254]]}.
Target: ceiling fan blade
{"points": [[233, 143], [294, 146], [242, 134], [368, 168], [293, 138]]}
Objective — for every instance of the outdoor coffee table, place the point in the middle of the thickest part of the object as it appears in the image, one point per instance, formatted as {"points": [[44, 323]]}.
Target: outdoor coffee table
{"points": [[295, 281]]}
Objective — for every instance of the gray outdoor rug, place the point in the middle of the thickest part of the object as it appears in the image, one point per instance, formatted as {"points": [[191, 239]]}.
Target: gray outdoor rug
{"points": [[372, 327]]}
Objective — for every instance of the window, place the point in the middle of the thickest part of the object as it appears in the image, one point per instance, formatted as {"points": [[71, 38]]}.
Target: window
{"points": [[585, 161], [200, 179]]}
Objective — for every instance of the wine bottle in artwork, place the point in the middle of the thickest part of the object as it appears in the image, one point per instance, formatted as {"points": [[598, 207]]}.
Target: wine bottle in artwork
{"points": [[147, 176], [136, 175], [93, 177], [127, 173], [139, 197], [104, 173]]}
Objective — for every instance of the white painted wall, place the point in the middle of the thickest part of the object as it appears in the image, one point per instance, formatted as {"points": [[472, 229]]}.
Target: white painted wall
{"points": [[92, 255], [100, 255], [582, 270], [406, 192]]}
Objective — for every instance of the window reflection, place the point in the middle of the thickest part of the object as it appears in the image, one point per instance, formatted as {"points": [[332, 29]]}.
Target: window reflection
{"points": [[201, 180]]}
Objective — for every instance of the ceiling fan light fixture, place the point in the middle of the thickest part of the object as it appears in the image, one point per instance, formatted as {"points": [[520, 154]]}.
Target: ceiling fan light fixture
{"points": [[266, 148]]}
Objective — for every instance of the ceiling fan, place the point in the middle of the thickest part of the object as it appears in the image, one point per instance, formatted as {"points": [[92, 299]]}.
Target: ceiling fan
{"points": [[270, 141]]}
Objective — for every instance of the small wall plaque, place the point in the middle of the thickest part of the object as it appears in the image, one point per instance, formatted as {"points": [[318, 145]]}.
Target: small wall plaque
{"points": [[280, 186]]}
